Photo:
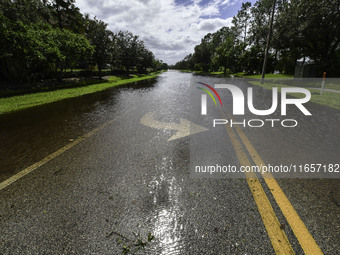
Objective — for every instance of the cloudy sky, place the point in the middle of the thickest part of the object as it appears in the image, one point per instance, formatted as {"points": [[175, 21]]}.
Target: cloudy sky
{"points": [[170, 28]]}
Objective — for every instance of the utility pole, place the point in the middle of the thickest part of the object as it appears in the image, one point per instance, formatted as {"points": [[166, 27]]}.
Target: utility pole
{"points": [[268, 41]]}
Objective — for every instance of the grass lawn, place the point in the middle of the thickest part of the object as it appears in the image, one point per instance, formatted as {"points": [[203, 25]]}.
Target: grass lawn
{"points": [[16, 103], [330, 99], [328, 85], [270, 76], [253, 76], [217, 73]]}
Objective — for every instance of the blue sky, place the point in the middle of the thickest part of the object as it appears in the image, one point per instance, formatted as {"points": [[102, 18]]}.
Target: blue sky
{"points": [[170, 28]]}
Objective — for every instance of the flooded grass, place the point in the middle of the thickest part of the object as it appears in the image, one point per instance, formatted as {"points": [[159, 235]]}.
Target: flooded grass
{"points": [[270, 76], [241, 74], [15, 103], [330, 99]]}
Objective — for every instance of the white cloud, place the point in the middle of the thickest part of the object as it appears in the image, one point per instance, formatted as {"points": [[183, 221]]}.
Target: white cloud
{"points": [[169, 29]]}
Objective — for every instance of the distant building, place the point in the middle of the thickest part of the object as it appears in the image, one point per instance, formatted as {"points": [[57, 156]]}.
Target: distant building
{"points": [[306, 70]]}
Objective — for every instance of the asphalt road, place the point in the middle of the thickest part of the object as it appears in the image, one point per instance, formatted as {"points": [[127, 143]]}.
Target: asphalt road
{"points": [[100, 173]]}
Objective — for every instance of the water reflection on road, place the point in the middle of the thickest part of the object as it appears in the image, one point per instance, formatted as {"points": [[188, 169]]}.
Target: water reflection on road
{"points": [[130, 177], [29, 135], [167, 212]]}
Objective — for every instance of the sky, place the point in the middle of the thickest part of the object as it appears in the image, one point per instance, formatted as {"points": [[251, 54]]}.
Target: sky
{"points": [[169, 28]]}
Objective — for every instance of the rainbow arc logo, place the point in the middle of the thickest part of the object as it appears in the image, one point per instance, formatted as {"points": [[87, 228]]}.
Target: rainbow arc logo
{"points": [[204, 97], [209, 93]]}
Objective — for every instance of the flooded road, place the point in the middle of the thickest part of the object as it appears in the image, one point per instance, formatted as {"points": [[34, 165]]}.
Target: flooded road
{"points": [[125, 181]]}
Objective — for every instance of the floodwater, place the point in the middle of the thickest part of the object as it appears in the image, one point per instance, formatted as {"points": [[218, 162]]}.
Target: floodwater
{"points": [[128, 180], [29, 135]]}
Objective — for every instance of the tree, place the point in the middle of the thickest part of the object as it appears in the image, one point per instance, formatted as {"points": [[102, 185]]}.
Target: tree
{"points": [[101, 38], [310, 29], [302, 29], [228, 52], [203, 53], [74, 48], [260, 22], [145, 58], [187, 63], [241, 21], [42, 38], [35, 49], [251, 60], [159, 65], [126, 44], [66, 15], [27, 11]]}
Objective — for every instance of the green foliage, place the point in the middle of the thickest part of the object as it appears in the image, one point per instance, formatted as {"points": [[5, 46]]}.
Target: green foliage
{"points": [[28, 49], [187, 63], [41, 39], [74, 47], [228, 53], [102, 40], [252, 59], [260, 16], [308, 30], [132, 52], [159, 65], [145, 59], [16, 103], [241, 21], [204, 52], [66, 15]]}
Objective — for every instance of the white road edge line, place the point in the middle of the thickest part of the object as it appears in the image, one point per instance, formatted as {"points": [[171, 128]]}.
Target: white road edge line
{"points": [[55, 154]]}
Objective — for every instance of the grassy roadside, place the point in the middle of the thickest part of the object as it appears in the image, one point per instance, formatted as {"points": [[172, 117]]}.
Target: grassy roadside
{"points": [[330, 99], [202, 72], [15, 103], [267, 76], [241, 75]]}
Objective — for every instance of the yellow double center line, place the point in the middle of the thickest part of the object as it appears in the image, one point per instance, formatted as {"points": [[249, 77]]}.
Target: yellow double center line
{"points": [[276, 234]]}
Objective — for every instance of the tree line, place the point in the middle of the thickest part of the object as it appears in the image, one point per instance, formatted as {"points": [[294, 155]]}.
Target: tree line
{"points": [[43, 38], [307, 31]]}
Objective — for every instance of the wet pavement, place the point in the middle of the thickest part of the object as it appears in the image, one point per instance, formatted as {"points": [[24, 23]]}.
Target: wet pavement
{"points": [[127, 181]]}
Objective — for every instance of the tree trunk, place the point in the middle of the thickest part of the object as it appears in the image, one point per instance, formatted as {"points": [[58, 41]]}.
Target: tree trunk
{"points": [[100, 70], [268, 42]]}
